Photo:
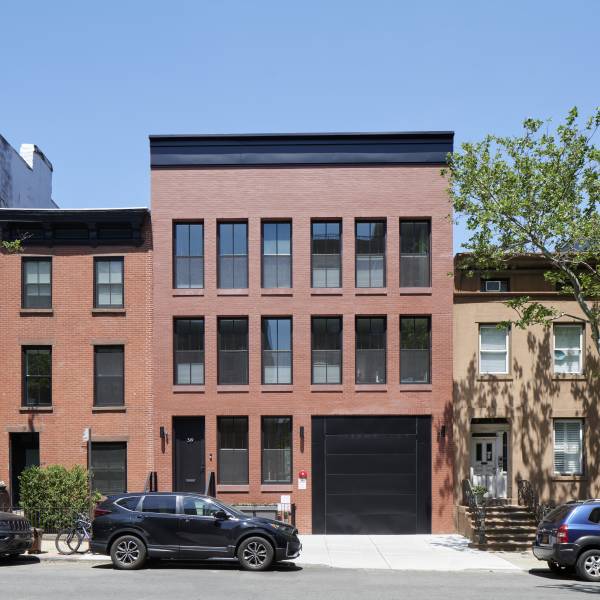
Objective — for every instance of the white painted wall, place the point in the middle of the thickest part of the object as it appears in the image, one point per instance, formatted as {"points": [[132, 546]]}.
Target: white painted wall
{"points": [[25, 177]]}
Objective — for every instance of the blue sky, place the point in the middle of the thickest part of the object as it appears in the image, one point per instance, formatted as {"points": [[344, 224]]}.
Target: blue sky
{"points": [[88, 81]]}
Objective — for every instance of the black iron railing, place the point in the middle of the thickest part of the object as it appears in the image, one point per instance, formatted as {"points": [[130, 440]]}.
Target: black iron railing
{"points": [[528, 497], [477, 508]]}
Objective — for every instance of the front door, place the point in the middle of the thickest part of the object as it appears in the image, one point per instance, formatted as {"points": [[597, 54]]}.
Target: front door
{"points": [[487, 467], [188, 454], [24, 452]]}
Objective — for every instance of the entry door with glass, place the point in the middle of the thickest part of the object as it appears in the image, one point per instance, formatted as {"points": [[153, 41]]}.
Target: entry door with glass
{"points": [[486, 465]]}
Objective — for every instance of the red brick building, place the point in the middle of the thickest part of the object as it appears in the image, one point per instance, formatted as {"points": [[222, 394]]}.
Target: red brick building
{"points": [[303, 325], [76, 314]]}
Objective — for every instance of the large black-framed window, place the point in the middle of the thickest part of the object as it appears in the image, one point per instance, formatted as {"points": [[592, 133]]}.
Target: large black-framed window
{"points": [[37, 375], [108, 282], [371, 347], [276, 350], [326, 336], [276, 254], [233, 350], [233, 255], [36, 277], [370, 254], [415, 349], [188, 259], [415, 253], [232, 450], [109, 467], [326, 247], [276, 450], [109, 376], [188, 346]]}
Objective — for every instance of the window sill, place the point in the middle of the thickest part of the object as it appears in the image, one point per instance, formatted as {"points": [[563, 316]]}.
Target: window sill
{"points": [[108, 311], [187, 389], [40, 312], [188, 292], [326, 292], [233, 389], [569, 377], [232, 488], [40, 409], [276, 487], [370, 387], [276, 292], [559, 478], [415, 387], [109, 409], [327, 387], [490, 377], [415, 291], [276, 387], [370, 291], [233, 292]]}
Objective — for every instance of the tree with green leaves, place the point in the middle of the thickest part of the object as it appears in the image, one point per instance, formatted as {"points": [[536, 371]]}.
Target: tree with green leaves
{"points": [[535, 194]]}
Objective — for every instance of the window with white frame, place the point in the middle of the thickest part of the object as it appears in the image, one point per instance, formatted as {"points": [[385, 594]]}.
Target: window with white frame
{"points": [[568, 443], [493, 349], [567, 348]]}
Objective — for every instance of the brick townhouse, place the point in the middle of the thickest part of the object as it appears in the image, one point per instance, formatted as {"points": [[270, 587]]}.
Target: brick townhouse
{"points": [[75, 314], [303, 325]]}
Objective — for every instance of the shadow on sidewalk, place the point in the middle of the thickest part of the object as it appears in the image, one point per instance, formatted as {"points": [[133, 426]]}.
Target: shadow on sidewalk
{"points": [[206, 565]]}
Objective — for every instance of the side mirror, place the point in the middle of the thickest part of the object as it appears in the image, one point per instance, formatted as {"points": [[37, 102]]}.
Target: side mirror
{"points": [[221, 515]]}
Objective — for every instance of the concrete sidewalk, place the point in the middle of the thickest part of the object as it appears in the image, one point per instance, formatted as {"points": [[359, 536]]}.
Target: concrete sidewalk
{"points": [[390, 552]]}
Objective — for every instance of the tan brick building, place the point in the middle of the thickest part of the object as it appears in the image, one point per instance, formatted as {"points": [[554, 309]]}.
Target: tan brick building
{"points": [[525, 401], [303, 325], [76, 318]]}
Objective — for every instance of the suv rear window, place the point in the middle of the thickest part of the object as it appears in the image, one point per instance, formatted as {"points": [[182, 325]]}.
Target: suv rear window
{"points": [[560, 513], [129, 503], [160, 504]]}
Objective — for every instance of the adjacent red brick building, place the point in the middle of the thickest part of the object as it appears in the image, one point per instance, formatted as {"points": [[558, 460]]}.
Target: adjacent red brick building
{"points": [[302, 325], [76, 314]]}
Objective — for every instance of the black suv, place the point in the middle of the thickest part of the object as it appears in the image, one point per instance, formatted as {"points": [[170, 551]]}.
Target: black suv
{"points": [[15, 534], [132, 527]]}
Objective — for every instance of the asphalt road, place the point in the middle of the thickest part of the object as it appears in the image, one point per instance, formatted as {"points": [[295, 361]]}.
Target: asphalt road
{"points": [[31, 580]]}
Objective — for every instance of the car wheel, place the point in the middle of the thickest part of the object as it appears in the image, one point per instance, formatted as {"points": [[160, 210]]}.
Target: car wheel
{"points": [[128, 553], [588, 565], [256, 554], [559, 569]]}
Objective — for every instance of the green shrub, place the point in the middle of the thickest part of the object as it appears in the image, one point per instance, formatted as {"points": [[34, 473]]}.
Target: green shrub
{"points": [[52, 496]]}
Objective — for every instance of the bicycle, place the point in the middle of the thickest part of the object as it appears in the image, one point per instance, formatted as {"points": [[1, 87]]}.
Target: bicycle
{"points": [[69, 539]]}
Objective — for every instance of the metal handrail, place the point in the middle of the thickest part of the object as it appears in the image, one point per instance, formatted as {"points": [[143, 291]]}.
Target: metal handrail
{"points": [[528, 497], [476, 509]]}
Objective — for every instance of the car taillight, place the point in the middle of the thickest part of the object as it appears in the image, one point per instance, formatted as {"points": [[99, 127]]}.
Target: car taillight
{"points": [[562, 535], [100, 512]]}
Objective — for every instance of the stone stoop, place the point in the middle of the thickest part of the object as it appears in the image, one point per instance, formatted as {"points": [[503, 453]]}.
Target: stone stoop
{"points": [[508, 528]]}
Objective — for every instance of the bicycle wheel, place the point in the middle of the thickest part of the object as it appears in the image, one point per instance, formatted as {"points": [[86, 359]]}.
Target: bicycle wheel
{"points": [[75, 541], [67, 541]]}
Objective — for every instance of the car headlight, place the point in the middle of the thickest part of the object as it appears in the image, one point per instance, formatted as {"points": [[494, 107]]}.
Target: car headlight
{"points": [[282, 527]]}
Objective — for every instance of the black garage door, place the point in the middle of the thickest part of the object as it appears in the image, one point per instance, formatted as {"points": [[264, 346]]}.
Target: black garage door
{"points": [[371, 474]]}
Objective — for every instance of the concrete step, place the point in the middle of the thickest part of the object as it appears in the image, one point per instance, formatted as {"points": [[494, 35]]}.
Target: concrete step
{"points": [[501, 529], [509, 537], [502, 547]]}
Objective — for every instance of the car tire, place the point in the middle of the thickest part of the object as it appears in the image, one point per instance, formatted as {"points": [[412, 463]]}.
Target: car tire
{"points": [[128, 552], [588, 565], [559, 569], [256, 554]]}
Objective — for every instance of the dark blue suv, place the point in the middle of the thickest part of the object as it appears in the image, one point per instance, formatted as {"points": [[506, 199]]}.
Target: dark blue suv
{"points": [[569, 539]]}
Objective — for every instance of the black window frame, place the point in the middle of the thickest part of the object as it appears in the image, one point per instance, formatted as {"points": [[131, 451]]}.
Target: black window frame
{"points": [[219, 349], [176, 257], [429, 349], [326, 222], [94, 446], [25, 376], [263, 322], [262, 450], [99, 259], [27, 260], [371, 335], [341, 348], [104, 348], [413, 222], [220, 421], [373, 221], [176, 321], [276, 222], [219, 256]]}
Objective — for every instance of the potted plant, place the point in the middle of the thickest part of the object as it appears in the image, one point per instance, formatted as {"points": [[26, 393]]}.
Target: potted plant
{"points": [[479, 491]]}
